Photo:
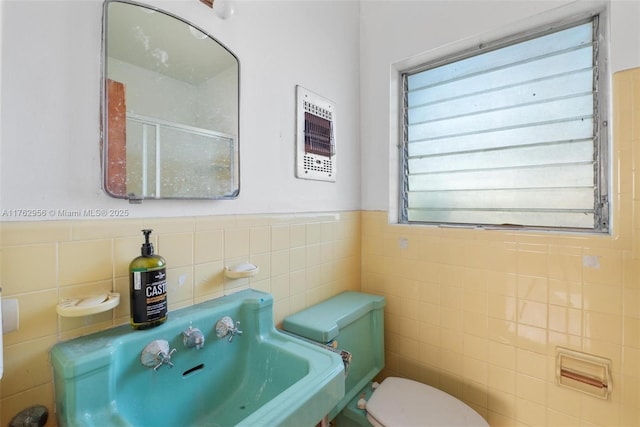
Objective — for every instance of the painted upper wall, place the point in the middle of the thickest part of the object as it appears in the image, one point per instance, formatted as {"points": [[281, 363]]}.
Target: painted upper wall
{"points": [[344, 50], [394, 32], [50, 88]]}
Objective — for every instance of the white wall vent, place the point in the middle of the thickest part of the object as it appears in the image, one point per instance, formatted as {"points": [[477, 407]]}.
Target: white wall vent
{"points": [[315, 136]]}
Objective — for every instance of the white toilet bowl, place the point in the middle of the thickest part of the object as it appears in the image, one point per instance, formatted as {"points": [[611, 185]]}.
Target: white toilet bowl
{"points": [[399, 402]]}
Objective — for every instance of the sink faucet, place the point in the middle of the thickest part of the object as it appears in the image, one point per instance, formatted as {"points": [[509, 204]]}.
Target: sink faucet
{"points": [[156, 354], [226, 327], [193, 337]]}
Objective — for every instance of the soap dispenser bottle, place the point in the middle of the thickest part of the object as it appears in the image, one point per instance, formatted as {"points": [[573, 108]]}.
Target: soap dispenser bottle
{"points": [[148, 287]]}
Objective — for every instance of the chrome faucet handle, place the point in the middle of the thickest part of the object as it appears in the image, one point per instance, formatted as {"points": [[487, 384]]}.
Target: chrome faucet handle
{"points": [[193, 337], [235, 331], [156, 354], [225, 327], [164, 359]]}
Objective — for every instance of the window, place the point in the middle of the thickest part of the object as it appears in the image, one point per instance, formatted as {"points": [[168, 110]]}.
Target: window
{"points": [[510, 135]]}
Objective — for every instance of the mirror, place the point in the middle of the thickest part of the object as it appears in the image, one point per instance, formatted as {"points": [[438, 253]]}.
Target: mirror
{"points": [[170, 106]]}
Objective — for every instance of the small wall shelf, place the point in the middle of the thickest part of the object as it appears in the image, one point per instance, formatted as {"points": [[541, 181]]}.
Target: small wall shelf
{"points": [[241, 270], [77, 307]]}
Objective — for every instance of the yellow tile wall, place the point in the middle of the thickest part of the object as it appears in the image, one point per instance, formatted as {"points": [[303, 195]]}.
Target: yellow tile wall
{"points": [[480, 313], [303, 259]]}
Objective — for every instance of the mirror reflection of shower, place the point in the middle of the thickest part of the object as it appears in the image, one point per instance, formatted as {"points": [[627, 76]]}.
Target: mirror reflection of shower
{"points": [[168, 159]]}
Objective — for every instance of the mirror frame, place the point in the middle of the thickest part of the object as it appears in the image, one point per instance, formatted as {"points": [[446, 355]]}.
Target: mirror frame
{"points": [[104, 110]]}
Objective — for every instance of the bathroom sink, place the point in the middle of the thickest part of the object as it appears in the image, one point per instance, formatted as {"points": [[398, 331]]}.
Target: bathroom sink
{"points": [[261, 377]]}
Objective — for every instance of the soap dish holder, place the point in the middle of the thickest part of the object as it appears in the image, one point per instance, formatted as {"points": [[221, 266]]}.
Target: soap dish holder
{"points": [[77, 307], [241, 270]]}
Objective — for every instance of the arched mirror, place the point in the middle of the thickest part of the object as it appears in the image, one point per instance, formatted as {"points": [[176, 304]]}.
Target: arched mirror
{"points": [[170, 108]]}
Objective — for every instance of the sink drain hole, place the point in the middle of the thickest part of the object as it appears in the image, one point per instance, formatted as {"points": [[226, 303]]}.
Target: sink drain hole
{"points": [[192, 370]]}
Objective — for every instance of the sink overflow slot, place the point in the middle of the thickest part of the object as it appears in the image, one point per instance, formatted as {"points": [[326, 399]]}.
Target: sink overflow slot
{"points": [[192, 370]]}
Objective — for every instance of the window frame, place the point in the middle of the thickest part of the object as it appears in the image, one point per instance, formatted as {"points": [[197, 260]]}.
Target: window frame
{"points": [[602, 146]]}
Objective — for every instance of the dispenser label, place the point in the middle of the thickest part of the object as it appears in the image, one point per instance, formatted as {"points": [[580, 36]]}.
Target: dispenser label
{"points": [[137, 282], [149, 295]]}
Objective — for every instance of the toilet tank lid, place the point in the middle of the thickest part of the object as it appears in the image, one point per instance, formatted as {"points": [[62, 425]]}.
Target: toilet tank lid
{"points": [[322, 322]]}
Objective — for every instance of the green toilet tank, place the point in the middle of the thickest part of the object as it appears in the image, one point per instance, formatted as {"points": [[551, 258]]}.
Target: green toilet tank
{"points": [[352, 321]]}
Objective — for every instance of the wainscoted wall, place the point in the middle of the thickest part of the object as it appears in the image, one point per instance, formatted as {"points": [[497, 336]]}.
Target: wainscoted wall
{"points": [[480, 313], [476, 313], [303, 259]]}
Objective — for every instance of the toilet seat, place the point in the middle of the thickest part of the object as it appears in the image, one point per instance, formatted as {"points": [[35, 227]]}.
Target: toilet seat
{"points": [[399, 402]]}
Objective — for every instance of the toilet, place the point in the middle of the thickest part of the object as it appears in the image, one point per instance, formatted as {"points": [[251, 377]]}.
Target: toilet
{"points": [[354, 322]]}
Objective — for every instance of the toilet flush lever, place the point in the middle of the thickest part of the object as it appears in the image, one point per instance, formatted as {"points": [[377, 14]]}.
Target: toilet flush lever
{"points": [[225, 327]]}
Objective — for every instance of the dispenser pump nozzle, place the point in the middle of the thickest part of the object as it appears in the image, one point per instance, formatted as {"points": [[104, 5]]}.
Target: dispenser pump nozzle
{"points": [[147, 247]]}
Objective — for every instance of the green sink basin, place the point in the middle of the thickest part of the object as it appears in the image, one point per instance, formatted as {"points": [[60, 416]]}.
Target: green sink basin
{"points": [[259, 378]]}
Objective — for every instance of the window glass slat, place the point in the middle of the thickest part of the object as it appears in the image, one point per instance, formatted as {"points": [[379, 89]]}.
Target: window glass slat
{"points": [[565, 153], [549, 199], [564, 86], [540, 46], [519, 74], [527, 115], [534, 219], [544, 133], [577, 175]]}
